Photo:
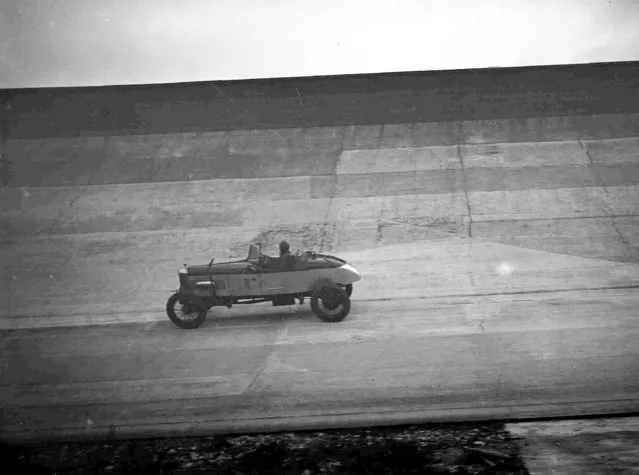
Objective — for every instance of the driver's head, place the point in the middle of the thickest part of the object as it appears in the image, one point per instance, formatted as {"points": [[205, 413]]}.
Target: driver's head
{"points": [[284, 247]]}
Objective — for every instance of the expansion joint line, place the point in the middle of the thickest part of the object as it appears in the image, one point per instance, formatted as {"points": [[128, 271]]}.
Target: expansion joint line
{"points": [[610, 214], [324, 228], [460, 156], [325, 224]]}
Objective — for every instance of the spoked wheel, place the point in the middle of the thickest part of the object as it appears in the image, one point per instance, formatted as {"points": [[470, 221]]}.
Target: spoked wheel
{"points": [[330, 304], [185, 315]]}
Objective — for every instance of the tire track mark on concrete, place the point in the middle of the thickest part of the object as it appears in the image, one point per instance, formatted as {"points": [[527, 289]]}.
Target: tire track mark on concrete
{"points": [[49, 229], [268, 356]]}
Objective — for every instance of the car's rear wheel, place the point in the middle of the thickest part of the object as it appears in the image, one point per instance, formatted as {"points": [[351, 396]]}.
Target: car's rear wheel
{"points": [[184, 315], [330, 304]]}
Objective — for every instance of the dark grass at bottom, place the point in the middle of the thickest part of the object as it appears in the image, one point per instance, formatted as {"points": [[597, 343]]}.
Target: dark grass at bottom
{"points": [[427, 449]]}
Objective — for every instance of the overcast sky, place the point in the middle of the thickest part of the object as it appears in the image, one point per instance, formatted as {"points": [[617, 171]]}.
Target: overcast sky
{"points": [[103, 42]]}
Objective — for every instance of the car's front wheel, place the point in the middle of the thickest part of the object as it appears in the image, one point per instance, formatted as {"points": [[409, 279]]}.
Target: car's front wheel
{"points": [[330, 304], [184, 315]]}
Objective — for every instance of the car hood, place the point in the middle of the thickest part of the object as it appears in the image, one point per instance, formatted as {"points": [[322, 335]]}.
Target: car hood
{"points": [[235, 267]]}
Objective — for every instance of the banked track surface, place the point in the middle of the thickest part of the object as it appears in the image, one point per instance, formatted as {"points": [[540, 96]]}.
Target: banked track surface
{"points": [[435, 332]]}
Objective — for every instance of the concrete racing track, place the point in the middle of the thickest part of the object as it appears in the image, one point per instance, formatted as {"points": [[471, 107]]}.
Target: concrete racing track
{"points": [[96, 226]]}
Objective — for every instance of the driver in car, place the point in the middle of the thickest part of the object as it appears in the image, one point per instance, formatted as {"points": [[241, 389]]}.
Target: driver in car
{"points": [[287, 260]]}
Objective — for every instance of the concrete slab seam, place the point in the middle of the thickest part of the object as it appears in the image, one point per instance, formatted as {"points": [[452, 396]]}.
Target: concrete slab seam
{"points": [[460, 157], [464, 179], [606, 191], [331, 197], [515, 220]]}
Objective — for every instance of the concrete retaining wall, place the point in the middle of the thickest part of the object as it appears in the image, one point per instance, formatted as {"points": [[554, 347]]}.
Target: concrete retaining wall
{"points": [[394, 98]]}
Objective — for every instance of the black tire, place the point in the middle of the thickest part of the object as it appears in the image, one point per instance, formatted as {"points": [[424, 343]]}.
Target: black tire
{"points": [[349, 290], [326, 315], [185, 324]]}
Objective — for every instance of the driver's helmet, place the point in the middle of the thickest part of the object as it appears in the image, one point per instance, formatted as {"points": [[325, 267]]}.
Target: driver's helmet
{"points": [[284, 247]]}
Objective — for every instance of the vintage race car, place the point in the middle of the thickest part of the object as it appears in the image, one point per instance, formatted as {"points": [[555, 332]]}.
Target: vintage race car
{"points": [[326, 280]]}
